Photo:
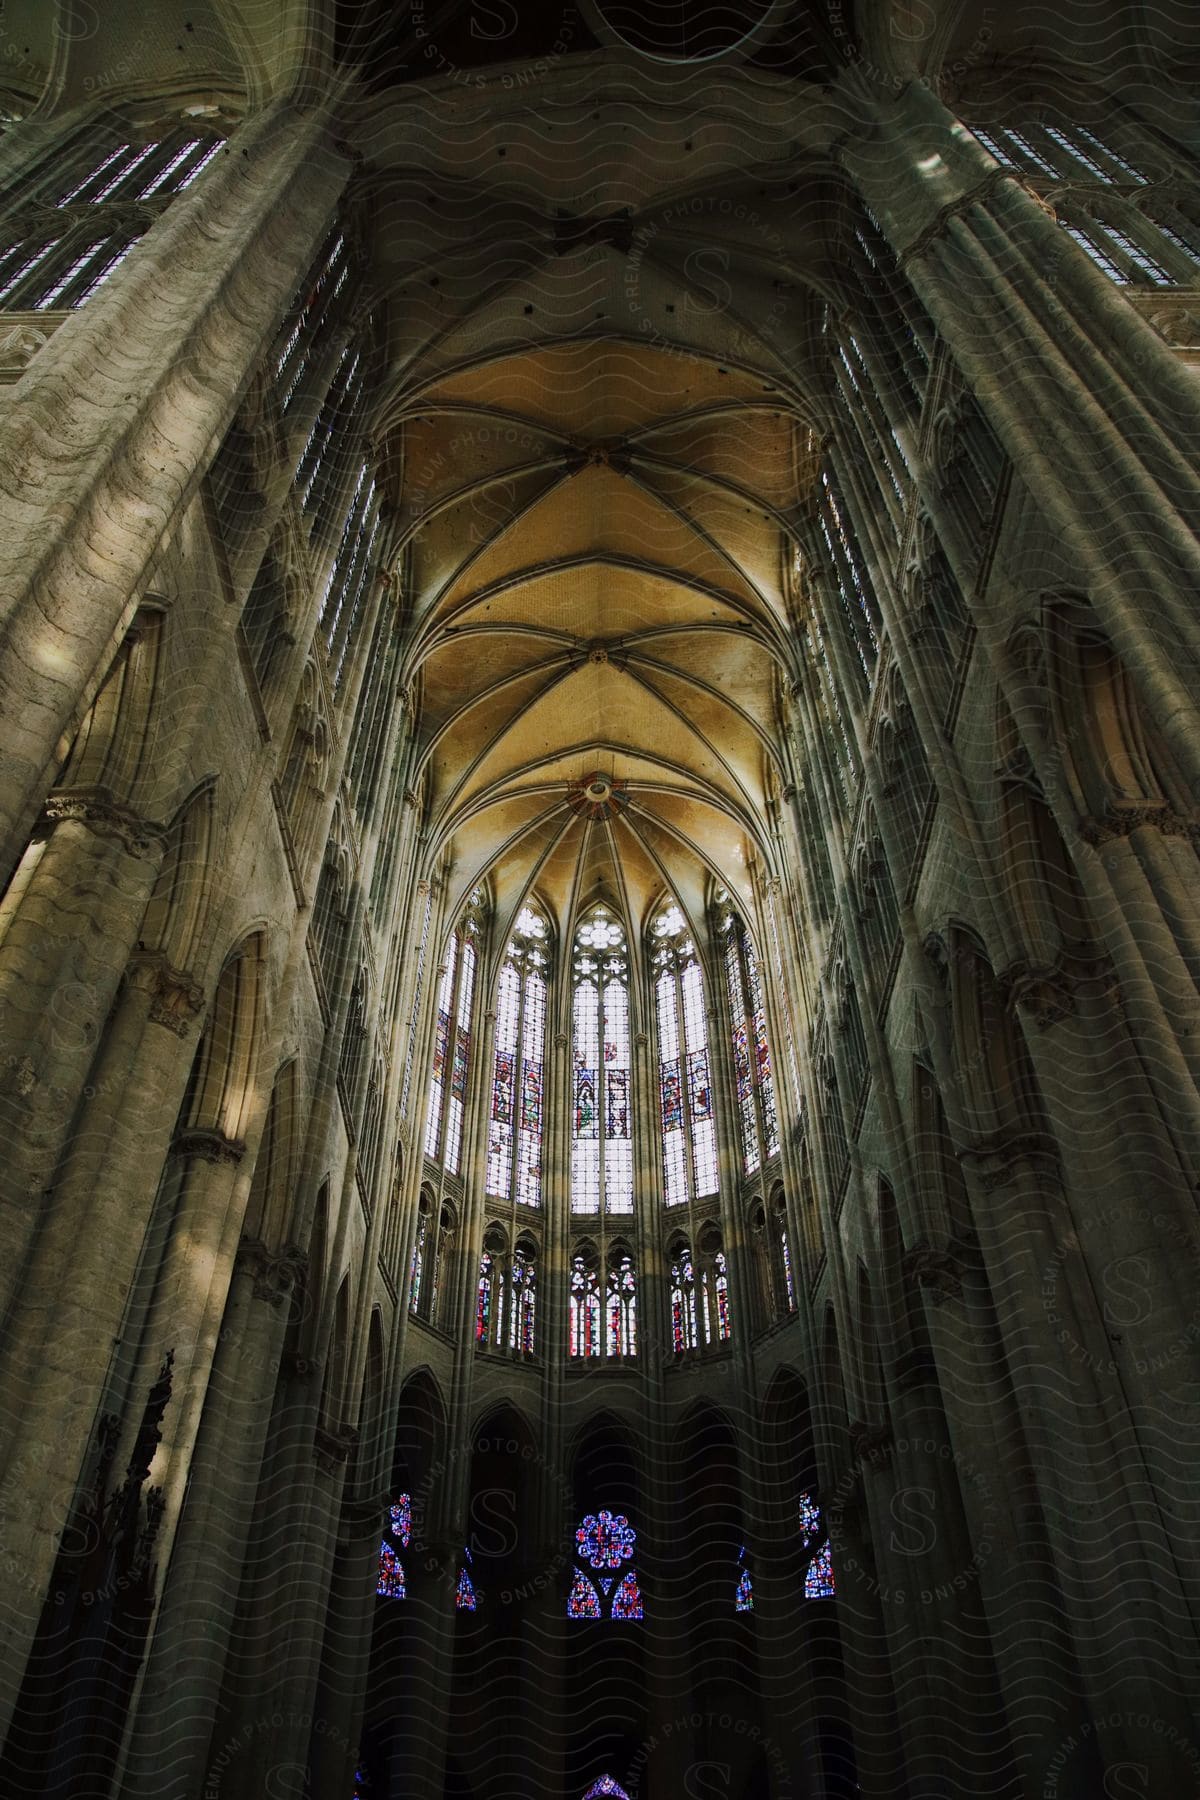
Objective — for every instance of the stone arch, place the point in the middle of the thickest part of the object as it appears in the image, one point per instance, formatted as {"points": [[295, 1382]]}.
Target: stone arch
{"points": [[222, 1090]]}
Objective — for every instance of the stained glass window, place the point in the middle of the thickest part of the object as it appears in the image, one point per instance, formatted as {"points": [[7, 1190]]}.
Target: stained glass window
{"points": [[465, 1598], [583, 1310], [522, 1298], [601, 1129], [390, 1583], [685, 1093], [483, 1298], [700, 1311], [452, 1042], [604, 1541], [743, 1598], [515, 1128], [753, 1078], [818, 1578], [417, 1265], [605, 1785], [683, 1302], [621, 1309]]}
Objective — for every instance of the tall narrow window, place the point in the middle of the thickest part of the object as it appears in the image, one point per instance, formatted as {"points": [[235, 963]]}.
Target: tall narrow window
{"points": [[601, 1138], [517, 1331], [743, 1597], [818, 1576], [452, 1043], [700, 1309], [390, 1584], [685, 1090], [602, 1588], [515, 1131], [751, 1049], [484, 1287], [583, 1307], [621, 1307]]}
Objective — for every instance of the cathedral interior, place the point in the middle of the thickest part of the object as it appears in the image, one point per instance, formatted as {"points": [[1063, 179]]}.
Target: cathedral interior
{"points": [[599, 908]]}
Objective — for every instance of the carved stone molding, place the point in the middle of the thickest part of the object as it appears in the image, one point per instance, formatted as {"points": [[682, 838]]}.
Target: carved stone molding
{"points": [[175, 999], [1045, 992], [926, 239], [106, 817], [208, 1146], [1119, 821], [274, 1272]]}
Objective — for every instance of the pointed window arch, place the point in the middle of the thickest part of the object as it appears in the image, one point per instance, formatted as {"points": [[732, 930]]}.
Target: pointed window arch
{"points": [[514, 1162], [518, 1329], [818, 1576], [397, 1533], [484, 1288], [601, 1586], [689, 1140], [601, 1132], [452, 1041], [465, 1597], [751, 1048], [701, 1316], [605, 1785], [621, 1305], [583, 1305]]}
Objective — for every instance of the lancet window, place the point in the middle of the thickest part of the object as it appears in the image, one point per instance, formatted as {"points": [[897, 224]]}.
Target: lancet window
{"points": [[390, 1583], [689, 1142], [753, 1076], [1118, 203], [514, 1165], [583, 1306], [55, 253], [814, 1540], [601, 1107], [701, 1315], [452, 1042]]}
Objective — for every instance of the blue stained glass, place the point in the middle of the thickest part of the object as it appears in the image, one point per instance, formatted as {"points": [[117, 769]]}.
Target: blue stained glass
{"points": [[605, 1785], [627, 1601], [810, 1519], [400, 1513], [464, 1593], [390, 1582], [583, 1602], [606, 1540], [605, 1583], [745, 1593], [818, 1583]]}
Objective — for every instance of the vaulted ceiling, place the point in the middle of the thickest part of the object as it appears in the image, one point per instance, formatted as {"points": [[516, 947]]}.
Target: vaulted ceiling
{"points": [[604, 356]]}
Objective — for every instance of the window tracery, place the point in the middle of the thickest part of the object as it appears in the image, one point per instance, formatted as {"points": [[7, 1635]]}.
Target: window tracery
{"points": [[755, 1083], [452, 1042], [514, 1164], [600, 1588], [689, 1141], [601, 1113]]}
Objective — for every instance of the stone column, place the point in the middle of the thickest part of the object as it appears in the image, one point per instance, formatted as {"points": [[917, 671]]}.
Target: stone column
{"points": [[70, 1313], [182, 1683]]}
